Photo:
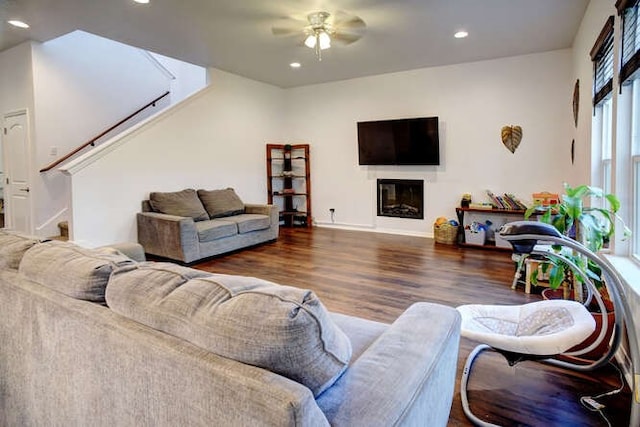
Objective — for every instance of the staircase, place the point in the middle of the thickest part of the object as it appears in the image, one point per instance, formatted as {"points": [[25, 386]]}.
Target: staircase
{"points": [[64, 231]]}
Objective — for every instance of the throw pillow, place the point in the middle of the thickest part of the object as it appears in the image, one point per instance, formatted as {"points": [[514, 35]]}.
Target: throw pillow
{"points": [[280, 328], [78, 272], [13, 245], [219, 203], [179, 203]]}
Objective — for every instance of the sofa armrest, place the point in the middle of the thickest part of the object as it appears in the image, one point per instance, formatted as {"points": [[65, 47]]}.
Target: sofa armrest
{"points": [[406, 377], [272, 210], [168, 236], [258, 209], [133, 250]]}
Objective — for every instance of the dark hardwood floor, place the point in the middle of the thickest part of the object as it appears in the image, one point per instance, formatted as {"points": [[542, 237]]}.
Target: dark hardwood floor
{"points": [[377, 276]]}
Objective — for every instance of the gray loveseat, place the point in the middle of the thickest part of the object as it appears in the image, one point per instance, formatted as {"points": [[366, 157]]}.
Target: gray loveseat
{"points": [[90, 337], [187, 225]]}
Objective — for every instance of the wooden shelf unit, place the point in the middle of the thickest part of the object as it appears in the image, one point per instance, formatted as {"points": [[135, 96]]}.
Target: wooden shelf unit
{"points": [[289, 183], [460, 213]]}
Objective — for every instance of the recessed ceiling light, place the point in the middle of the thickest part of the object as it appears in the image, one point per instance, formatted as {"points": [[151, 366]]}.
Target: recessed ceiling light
{"points": [[461, 34], [295, 65], [141, 1], [18, 24]]}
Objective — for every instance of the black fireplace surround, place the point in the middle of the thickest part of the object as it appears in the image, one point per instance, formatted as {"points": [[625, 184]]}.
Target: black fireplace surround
{"points": [[401, 198]]}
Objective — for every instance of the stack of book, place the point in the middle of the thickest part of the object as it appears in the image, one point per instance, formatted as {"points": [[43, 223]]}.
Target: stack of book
{"points": [[506, 201], [485, 206]]}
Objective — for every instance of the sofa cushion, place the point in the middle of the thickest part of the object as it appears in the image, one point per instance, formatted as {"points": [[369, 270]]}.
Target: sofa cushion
{"points": [[72, 270], [250, 222], [13, 245], [215, 229], [179, 203], [219, 203], [280, 328]]}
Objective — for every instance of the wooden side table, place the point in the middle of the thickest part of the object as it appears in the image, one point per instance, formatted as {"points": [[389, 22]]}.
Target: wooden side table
{"points": [[530, 266]]}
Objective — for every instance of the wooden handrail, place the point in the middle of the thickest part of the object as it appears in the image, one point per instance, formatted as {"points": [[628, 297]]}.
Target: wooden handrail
{"points": [[93, 140]]}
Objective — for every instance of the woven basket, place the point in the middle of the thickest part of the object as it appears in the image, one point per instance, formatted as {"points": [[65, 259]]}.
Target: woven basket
{"points": [[445, 233]]}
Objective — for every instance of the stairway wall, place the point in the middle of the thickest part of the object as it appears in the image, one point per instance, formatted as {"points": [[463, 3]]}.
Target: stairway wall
{"points": [[83, 84], [214, 139]]}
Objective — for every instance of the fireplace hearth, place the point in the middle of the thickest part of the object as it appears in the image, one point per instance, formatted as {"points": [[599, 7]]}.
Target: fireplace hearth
{"points": [[401, 198]]}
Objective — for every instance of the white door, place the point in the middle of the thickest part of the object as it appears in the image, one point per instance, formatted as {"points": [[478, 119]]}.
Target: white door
{"points": [[17, 188]]}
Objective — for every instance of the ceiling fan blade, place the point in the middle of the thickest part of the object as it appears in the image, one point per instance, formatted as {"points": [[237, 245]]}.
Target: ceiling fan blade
{"points": [[283, 31], [345, 38], [288, 26], [346, 20]]}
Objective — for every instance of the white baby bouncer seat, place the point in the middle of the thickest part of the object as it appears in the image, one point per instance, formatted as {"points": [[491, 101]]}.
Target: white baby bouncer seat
{"points": [[544, 329]]}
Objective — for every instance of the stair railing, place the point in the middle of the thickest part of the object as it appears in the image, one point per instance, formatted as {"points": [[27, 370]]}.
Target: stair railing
{"points": [[92, 141]]}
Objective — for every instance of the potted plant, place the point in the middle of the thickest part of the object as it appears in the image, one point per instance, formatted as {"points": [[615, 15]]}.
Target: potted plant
{"points": [[592, 226]]}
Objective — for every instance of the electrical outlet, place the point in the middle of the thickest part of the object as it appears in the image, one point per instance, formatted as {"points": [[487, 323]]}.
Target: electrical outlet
{"points": [[53, 151]]}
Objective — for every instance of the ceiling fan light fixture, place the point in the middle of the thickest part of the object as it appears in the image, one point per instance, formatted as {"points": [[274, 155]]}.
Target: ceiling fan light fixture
{"points": [[324, 40], [321, 33], [310, 41]]}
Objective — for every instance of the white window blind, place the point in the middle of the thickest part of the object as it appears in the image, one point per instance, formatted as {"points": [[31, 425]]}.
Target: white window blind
{"points": [[630, 51], [602, 57]]}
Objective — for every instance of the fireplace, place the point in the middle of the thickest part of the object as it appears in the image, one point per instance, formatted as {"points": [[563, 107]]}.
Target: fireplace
{"points": [[402, 198]]}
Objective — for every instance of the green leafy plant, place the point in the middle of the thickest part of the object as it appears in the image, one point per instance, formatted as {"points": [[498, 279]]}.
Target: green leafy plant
{"points": [[592, 226]]}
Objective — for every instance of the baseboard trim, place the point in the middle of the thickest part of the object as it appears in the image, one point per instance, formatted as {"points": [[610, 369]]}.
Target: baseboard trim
{"points": [[371, 229]]}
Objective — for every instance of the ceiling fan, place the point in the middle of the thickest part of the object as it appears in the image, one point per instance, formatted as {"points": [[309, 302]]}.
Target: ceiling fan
{"points": [[321, 29]]}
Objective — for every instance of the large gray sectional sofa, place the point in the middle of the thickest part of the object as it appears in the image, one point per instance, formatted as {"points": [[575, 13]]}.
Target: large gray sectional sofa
{"points": [[91, 337], [190, 225]]}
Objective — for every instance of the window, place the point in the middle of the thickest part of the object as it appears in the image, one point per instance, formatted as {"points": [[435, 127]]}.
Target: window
{"points": [[635, 165], [636, 208], [606, 143], [630, 86], [602, 57]]}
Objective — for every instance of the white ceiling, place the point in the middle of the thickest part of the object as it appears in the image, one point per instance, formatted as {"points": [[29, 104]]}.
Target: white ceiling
{"points": [[235, 35]]}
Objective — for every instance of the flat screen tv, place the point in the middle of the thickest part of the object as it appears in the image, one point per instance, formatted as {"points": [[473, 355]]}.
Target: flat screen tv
{"points": [[399, 142]]}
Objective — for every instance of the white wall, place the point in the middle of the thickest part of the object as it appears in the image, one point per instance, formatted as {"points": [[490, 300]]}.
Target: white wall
{"points": [[215, 139], [594, 19], [83, 84], [187, 78], [225, 130], [473, 101], [16, 90]]}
